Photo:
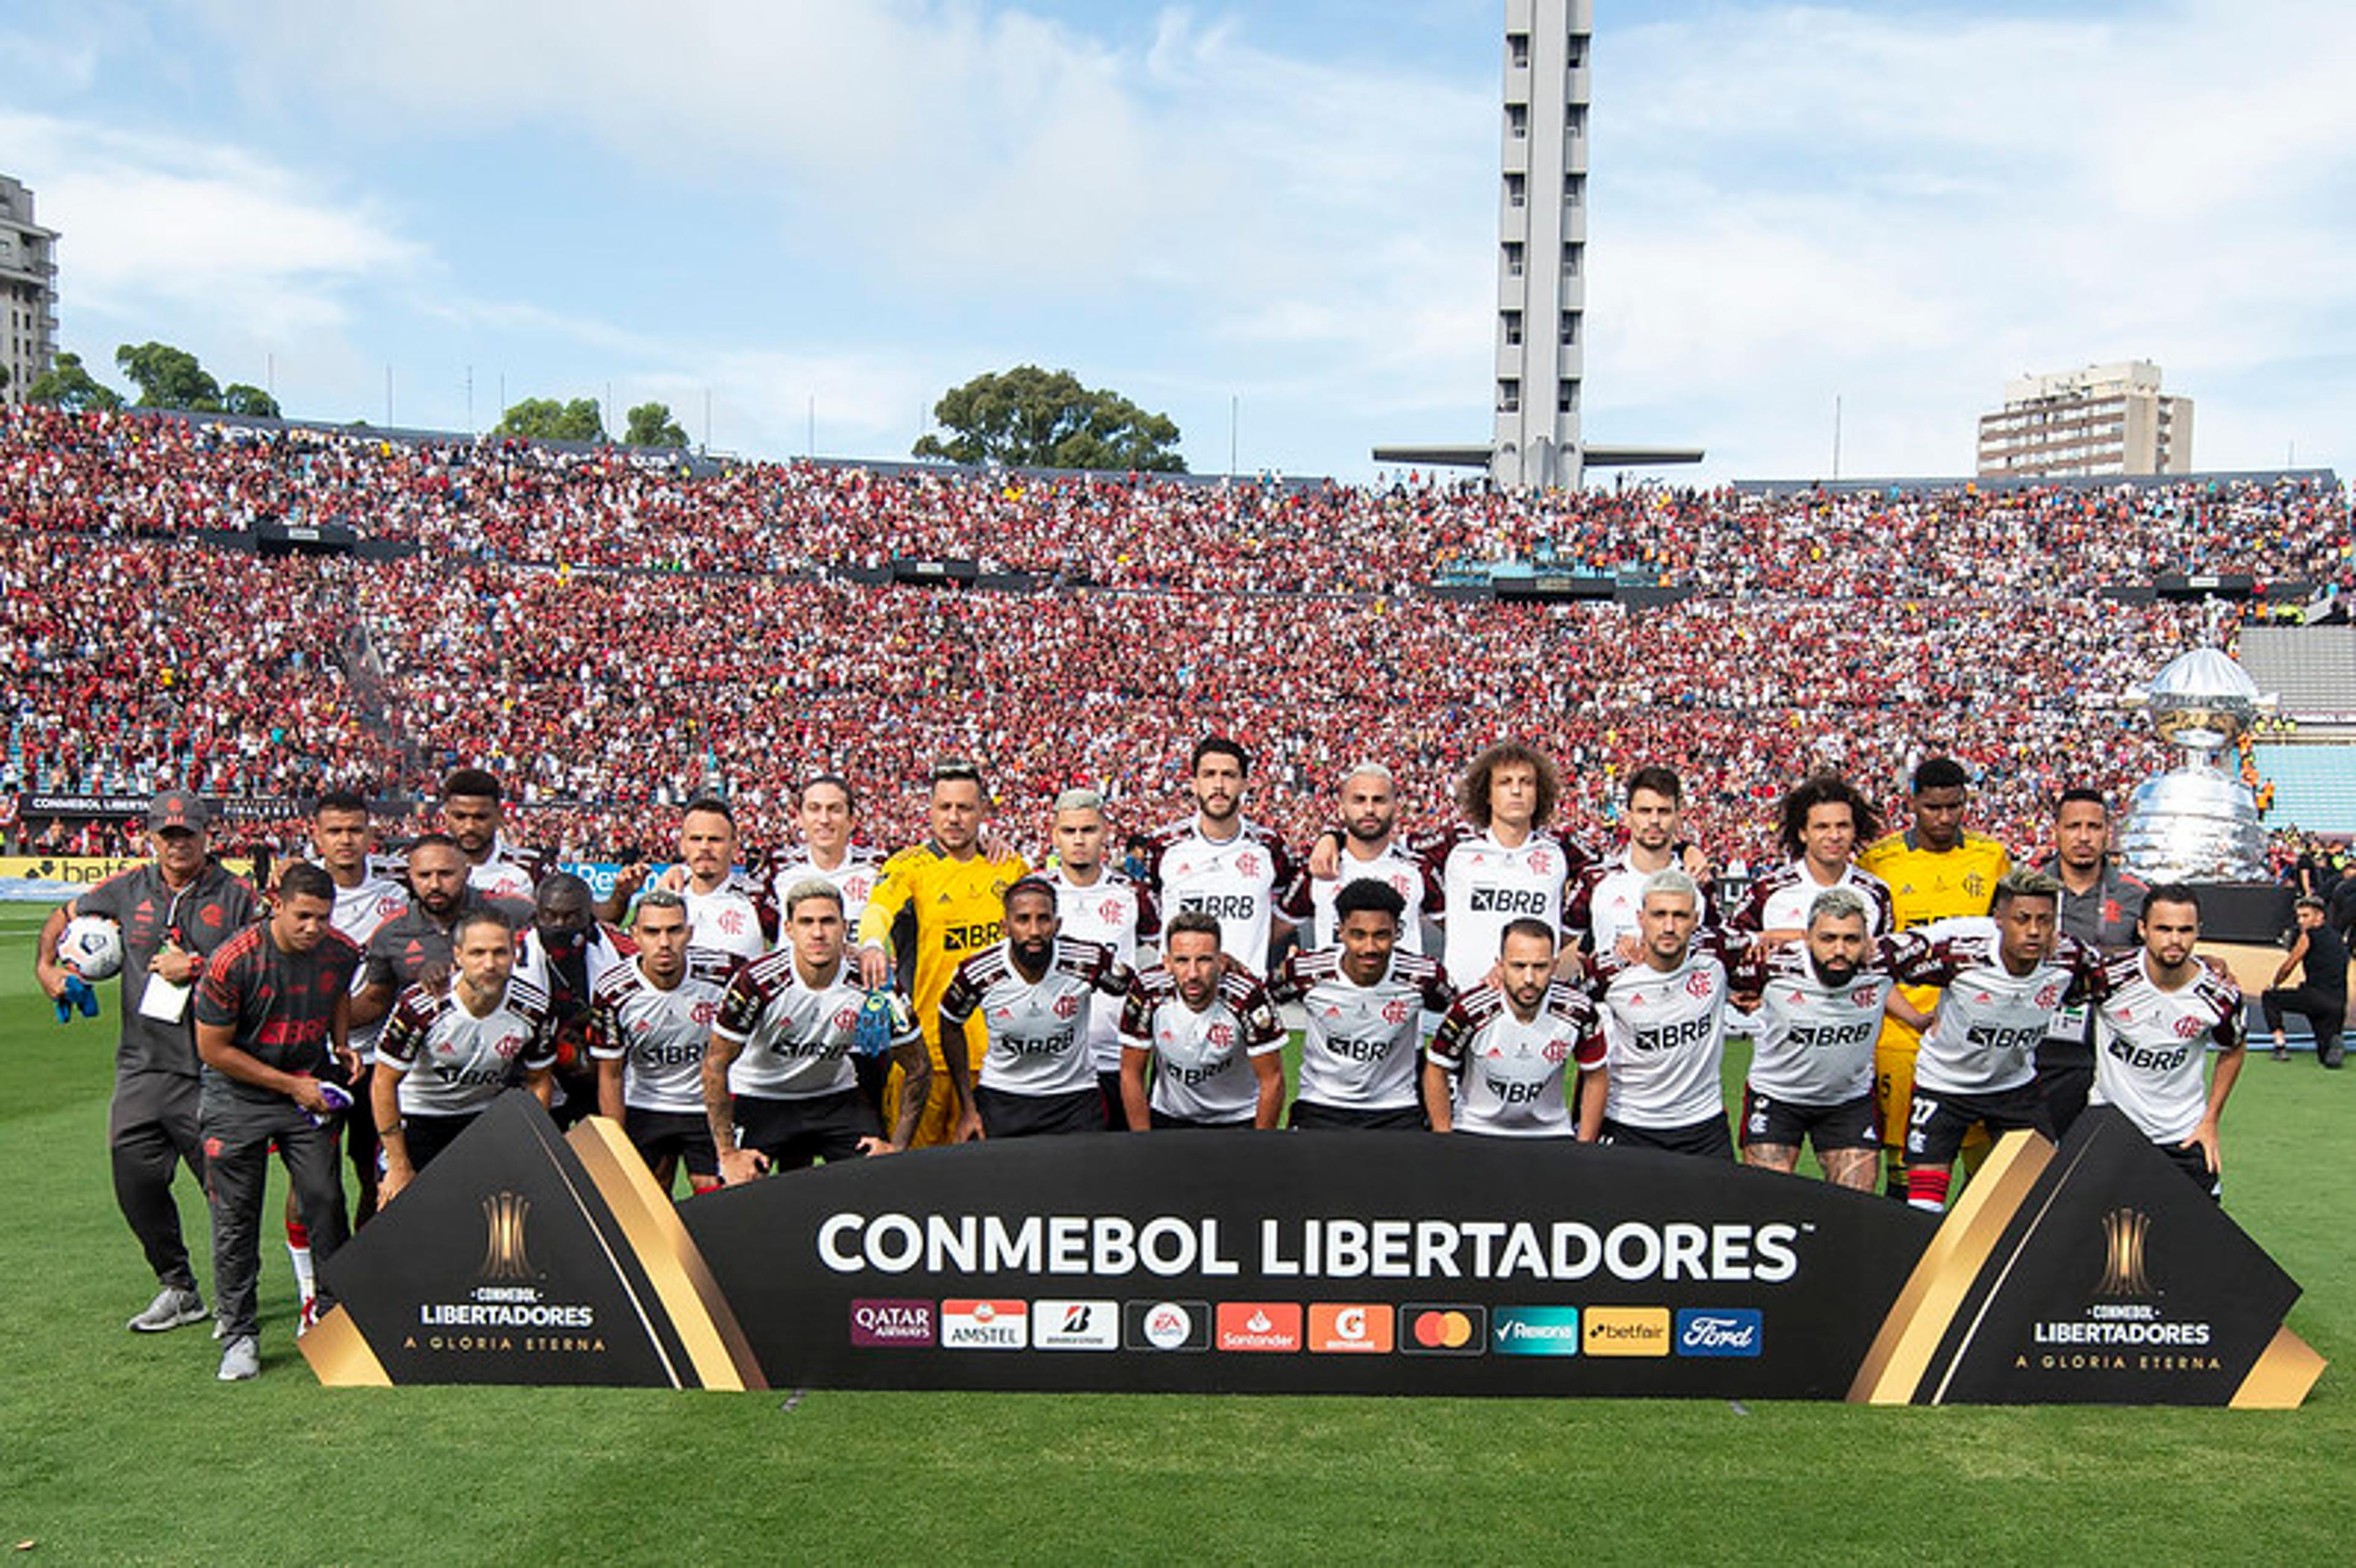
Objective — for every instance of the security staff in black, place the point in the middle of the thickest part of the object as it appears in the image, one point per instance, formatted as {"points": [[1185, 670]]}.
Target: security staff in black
{"points": [[2100, 905], [2322, 994], [174, 912]]}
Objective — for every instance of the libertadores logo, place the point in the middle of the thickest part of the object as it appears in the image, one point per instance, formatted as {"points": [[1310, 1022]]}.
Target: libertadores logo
{"points": [[504, 1255]]}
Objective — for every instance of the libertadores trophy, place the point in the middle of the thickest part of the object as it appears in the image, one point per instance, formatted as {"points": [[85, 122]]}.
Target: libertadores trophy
{"points": [[2200, 822]]}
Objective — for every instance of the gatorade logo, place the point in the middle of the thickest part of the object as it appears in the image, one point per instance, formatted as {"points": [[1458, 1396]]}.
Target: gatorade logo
{"points": [[1349, 1328], [1446, 1329]]}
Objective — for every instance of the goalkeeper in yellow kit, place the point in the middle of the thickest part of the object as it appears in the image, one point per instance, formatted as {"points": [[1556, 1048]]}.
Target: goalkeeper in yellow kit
{"points": [[936, 904], [1936, 870]]}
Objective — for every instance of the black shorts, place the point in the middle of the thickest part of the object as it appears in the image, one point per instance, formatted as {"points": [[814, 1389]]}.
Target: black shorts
{"points": [[1789, 1124], [1308, 1115], [794, 1133], [1005, 1115], [1936, 1125], [2195, 1164], [660, 1133], [429, 1136], [1116, 1113], [1163, 1122], [1709, 1139]]}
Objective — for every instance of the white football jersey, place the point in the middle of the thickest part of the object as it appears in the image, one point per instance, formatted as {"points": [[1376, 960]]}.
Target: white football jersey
{"points": [[1515, 1079], [1037, 1030], [1362, 1043], [2150, 1045], [1404, 873], [794, 1039], [1239, 881], [659, 1036], [1202, 1061], [1815, 1042], [726, 919], [358, 911], [1487, 885], [855, 879], [1667, 1031], [454, 1063], [1117, 914], [1780, 899], [1983, 1039]]}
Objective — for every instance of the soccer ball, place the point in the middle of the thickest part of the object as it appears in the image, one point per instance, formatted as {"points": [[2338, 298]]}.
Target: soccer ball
{"points": [[91, 947]]}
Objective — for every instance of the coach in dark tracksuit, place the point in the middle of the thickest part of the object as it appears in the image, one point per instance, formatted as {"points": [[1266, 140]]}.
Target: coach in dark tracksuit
{"points": [[174, 912], [273, 1016], [2100, 906]]}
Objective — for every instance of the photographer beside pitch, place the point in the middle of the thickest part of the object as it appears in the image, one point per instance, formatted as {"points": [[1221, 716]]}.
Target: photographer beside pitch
{"points": [[273, 1019], [174, 912]]}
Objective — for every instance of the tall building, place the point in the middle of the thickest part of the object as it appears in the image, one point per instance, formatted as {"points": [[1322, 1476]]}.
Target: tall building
{"points": [[2105, 418], [1541, 266], [28, 286]]}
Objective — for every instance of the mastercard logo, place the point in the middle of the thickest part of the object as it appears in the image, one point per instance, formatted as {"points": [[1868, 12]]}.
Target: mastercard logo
{"points": [[1444, 1329]]}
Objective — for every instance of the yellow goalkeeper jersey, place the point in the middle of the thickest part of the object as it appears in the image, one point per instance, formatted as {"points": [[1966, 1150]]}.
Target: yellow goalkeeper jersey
{"points": [[941, 910]]}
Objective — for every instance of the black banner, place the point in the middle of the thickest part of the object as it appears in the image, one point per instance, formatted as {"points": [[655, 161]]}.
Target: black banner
{"points": [[232, 808], [1315, 1263]]}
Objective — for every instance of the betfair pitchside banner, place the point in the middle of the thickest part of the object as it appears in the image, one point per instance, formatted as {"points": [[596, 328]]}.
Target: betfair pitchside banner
{"points": [[1320, 1263]]}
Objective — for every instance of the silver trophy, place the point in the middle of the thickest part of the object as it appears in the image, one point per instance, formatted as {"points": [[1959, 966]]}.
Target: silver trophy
{"points": [[2200, 823]]}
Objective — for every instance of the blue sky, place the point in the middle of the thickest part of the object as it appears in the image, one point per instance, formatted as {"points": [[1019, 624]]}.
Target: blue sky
{"points": [[855, 205]]}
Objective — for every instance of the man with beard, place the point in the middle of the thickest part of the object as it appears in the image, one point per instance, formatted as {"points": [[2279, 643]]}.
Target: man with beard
{"points": [[475, 819], [566, 953], [1367, 848], [1821, 821], [1219, 862], [1206, 1033], [2162, 1007], [1811, 1079], [1665, 1017], [650, 1021], [724, 913], [1504, 1058], [1502, 863], [1035, 992], [414, 946], [1603, 899], [2101, 902]]}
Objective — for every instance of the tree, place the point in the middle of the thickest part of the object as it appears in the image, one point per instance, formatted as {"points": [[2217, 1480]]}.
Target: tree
{"points": [[545, 419], [237, 398], [168, 378], [69, 386], [1029, 418], [651, 425]]}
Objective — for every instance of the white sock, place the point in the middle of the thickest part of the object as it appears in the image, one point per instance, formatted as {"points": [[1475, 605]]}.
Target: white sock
{"points": [[306, 1283]]}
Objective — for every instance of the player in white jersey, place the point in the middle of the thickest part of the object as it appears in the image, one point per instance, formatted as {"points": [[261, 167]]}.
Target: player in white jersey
{"points": [[725, 909], [2004, 974], [1218, 862], [778, 1090], [1603, 898], [650, 1021], [1100, 905], [1664, 1021], [447, 1052], [1823, 820], [1206, 1033], [1370, 1009], [1820, 1002], [826, 815], [1501, 864], [1035, 992], [472, 815], [341, 842], [1366, 848], [1504, 1058], [2162, 1006]]}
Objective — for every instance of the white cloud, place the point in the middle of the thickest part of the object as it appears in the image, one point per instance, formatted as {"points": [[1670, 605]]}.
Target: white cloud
{"points": [[161, 234]]}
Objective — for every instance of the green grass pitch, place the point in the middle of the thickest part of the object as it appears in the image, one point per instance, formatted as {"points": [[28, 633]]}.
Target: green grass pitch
{"points": [[122, 1448]]}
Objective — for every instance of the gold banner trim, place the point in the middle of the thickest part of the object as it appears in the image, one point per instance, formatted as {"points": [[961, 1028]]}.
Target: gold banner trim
{"points": [[339, 1354], [2283, 1375]]}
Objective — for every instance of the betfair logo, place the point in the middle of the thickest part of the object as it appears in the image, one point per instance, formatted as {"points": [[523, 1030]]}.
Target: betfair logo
{"points": [[504, 1256], [970, 938]]}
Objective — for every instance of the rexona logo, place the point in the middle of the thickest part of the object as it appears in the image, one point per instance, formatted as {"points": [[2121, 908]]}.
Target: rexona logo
{"points": [[887, 1324], [984, 1326], [1166, 1325], [1625, 1331], [1258, 1326], [1534, 1331], [1349, 1328], [1076, 1325], [1721, 1332], [1446, 1329]]}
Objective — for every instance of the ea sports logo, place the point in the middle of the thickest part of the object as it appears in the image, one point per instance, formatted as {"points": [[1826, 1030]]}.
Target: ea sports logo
{"points": [[1067, 1007], [1395, 1011], [1168, 1325], [1698, 985]]}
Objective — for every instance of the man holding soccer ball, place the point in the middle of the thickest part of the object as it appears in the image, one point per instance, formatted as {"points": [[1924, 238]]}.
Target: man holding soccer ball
{"points": [[173, 912]]}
